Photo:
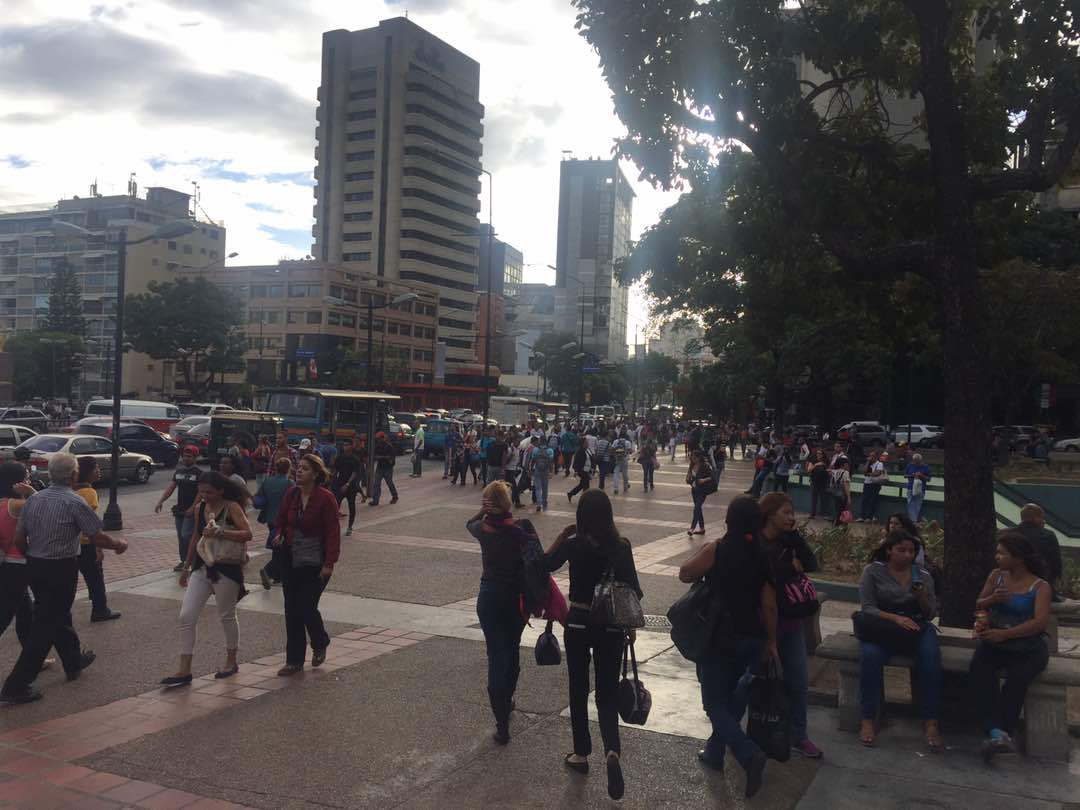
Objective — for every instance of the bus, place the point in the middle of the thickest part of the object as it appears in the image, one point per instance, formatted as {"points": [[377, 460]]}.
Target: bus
{"points": [[158, 415], [329, 412]]}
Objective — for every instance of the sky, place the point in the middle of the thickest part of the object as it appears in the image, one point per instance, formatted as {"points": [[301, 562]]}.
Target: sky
{"points": [[222, 93]]}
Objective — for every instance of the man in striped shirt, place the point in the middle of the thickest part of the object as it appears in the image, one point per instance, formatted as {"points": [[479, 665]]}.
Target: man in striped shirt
{"points": [[48, 535]]}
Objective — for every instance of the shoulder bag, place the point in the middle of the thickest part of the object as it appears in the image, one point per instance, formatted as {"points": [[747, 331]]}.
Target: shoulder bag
{"points": [[635, 701], [547, 650], [615, 604], [307, 550], [219, 551]]}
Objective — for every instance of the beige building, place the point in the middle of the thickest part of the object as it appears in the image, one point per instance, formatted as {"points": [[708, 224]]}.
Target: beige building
{"points": [[304, 320], [30, 245], [397, 183], [682, 339]]}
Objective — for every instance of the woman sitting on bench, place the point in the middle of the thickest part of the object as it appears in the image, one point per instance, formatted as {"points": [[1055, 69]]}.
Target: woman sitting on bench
{"points": [[1011, 639], [898, 602]]}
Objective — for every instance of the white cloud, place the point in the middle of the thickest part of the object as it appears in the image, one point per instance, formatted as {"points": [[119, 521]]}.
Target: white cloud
{"points": [[222, 92]]}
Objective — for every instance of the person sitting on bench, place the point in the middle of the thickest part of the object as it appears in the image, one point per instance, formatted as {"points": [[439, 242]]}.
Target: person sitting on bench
{"points": [[1011, 638]]}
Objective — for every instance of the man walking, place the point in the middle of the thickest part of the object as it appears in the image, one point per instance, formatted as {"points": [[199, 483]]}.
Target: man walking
{"points": [[48, 535], [1033, 527], [918, 476], [384, 469], [185, 482], [418, 453]]}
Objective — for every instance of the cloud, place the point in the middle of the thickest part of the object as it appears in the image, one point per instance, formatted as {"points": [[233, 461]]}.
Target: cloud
{"points": [[90, 67], [17, 161], [264, 208], [433, 6], [510, 133], [250, 14], [296, 238], [219, 169]]}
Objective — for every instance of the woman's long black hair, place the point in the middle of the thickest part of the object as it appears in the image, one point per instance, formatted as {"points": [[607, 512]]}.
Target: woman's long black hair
{"points": [[881, 553], [1020, 547], [596, 520], [230, 490], [11, 473], [743, 519]]}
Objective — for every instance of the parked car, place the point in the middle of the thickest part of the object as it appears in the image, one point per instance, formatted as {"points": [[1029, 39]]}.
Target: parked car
{"points": [[136, 436], [412, 419], [1018, 436], [203, 408], [921, 435], [200, 437], [27, 417], [136, 467], [867, 434], [159, 415], [184, 425], [401, 437], [1068, 445], [14, 435], [811, 432], [460, 413], [435, 436]]}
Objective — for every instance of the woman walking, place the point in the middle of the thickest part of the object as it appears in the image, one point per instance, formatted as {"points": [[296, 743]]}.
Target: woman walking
{"points": [[260, 459], [501, 586], [268, 500], [700, 478], [220, 516], [790, 557], [90, 556], [582, 467], [647, 460], [840, 488], [593, 546], [15, 600], [1015, 602], [309, 538]]}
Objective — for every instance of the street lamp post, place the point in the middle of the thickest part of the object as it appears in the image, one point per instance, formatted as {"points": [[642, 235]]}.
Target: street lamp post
{"points": [[112, 519]]}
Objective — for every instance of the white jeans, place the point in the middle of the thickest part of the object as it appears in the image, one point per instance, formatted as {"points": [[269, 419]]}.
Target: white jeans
{"points": [[225, 593]]}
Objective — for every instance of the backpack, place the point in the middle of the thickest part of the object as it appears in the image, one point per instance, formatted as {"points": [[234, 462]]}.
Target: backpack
{"points": [[541, 462], [495, 454], [537, 583]]}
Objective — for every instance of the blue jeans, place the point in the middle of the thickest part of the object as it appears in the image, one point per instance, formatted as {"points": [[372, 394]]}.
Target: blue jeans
{"points": [[874, 657], [386, 474], [699, 500], [622, 475], [647, 471], [185, 527], [724, 697], [540, 489], [914, 506], [497, 609], [792, 647], [871, 493]]}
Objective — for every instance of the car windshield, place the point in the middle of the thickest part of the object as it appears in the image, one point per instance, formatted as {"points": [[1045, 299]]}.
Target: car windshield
{"points": [[191, 421], [45, 444]]}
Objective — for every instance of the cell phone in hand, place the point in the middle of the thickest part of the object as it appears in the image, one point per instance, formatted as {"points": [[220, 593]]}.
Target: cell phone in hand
{"points": [[917, 585]]}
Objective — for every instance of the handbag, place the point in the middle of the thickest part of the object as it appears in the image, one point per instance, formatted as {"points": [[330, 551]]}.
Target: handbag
{"points": [[873, 629], [218, 551], [769, 721], [700, 622], [846, 517], [307, 551], [797, 598], [615, 604], [547, 649], [635, 700]]}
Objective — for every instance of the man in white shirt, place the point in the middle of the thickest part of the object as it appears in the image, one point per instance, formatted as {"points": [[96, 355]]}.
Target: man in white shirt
{"points": [[873, 479]]}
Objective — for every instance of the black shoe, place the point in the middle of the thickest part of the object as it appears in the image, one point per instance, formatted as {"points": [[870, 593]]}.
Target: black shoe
{"points": [[501, 735], [178, 567], [318, 657], [265, 579], [289, 670], [615, 785], [175, 680], [710, 762], [27, 695], [107, 616], [227, 673], [394, 500], [86, 658], [579, 767], [754, 773]]}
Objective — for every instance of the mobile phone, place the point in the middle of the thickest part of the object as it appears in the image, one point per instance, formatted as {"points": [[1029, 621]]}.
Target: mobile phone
{"points": [[917, 585]]}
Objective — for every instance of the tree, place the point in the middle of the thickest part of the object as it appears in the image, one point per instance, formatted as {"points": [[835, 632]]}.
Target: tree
{"points": [[40, 359], [813, 98], [65, 321], [192, 322], [558, 364]]}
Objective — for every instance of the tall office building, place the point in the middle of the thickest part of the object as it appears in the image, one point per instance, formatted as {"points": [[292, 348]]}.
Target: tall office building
{"points": [[398, 177], [507, 264], [595, 206]]}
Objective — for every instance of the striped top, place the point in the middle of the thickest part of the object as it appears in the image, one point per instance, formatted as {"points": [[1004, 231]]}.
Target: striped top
{"points": [[53, 519]]}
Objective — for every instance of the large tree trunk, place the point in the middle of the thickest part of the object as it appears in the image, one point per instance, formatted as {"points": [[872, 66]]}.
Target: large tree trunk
{"points": [[969, 495]]}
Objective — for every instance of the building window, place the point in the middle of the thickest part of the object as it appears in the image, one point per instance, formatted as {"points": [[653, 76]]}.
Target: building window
{"points": [[213, 254], [213, 234], [344, 293], [368, 155], [202, 250], [275, 290], [362, 115], [363, 73], [187, 249], [363, 256], [391, 328], [360, 196], [439, 139], [356, 236], [406, 329], [172, 245], [364, 135], [359, 216], [305, 290], [437, 200], [428, 258], [353, 177], [357, 95], [154, 262], [314, 317]]}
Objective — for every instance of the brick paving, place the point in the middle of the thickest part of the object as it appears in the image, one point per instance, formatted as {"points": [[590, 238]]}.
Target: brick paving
{"points": [[36, 769]]}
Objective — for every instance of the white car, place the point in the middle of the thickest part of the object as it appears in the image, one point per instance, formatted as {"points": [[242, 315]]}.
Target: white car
{"points": [[1068, 445], [921, 435]]}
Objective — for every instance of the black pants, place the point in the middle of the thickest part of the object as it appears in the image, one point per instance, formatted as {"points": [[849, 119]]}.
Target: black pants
{"points": [[605, 471], [94, 577], [604, 646], [418, 463], [871, 493], [698, 495], [819, 500], [15, 601], [53, 584], [302, 588], [349, 496], [583, 484], [1000, 708], [497, 609], [511, 477], [383, 474], [840, 503], [459, 471]]}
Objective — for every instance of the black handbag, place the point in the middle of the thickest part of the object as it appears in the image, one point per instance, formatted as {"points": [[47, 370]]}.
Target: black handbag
{"points": [[769, 720], [635, 701], [615, 604], [547, 650], [700, 622], [894, 638]]}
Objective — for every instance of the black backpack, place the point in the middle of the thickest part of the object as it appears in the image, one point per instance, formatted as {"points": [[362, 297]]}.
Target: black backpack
{"points": [[536, 587]]}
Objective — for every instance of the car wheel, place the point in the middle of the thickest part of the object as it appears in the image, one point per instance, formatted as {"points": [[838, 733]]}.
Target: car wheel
{"points": [[142, 474], [1072, 448]]}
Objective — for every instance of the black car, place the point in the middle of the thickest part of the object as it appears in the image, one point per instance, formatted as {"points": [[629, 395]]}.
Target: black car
{"points": [[135, 437], [27, 417]]}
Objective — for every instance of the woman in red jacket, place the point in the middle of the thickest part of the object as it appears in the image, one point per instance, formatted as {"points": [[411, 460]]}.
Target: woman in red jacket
{"points": [[309, 536]]}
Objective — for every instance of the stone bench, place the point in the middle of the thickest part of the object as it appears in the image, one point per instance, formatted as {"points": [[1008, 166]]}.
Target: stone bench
{"points": [[1045, 728]]}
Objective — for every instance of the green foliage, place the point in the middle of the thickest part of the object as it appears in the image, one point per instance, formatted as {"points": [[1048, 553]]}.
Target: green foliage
{"points": [[1070, 578], [843, 551], [44, 364], [560, 367], [193, 322], [65, 313]]}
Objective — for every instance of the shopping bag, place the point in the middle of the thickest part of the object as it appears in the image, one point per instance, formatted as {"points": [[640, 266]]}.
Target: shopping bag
{"points": [[769, 721], [547, 649]]}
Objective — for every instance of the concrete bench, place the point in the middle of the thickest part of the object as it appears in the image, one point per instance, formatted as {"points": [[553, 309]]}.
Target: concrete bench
{"points": [[1045, 727]]}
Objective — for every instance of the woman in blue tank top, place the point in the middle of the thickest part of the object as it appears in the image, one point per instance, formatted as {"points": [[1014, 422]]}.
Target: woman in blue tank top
{"points": [[1013, 639]]}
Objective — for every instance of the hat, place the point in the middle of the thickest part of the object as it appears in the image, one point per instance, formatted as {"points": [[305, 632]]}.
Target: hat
{"points": [[305, 444], [884, 455]]}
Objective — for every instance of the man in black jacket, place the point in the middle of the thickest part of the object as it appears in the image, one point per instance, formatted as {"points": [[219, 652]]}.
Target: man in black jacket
{"points": [[384, 469], [1033, 527]]}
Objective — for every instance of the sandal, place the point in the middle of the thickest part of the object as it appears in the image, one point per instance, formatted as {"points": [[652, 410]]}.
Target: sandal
{"points": [[935, 744], [867, 741], [227, 673], [579, 767]]}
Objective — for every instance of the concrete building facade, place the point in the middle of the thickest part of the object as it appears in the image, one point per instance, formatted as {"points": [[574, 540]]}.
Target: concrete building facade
{"points": [[398, 178], [681, 339], [507, 263], [31, 246], [595, 209]]}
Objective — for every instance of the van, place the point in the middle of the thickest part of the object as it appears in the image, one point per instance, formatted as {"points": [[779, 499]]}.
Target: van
{"points": [[203, 408], [158, 415]]}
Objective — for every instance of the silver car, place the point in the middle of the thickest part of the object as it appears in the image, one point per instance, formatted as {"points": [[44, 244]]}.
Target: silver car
{"points": [[135, 467]]}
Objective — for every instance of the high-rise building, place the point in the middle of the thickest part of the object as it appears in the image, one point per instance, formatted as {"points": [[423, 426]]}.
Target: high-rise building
{"points": [[398, 178], [507, 263], [31, 246], [595, 206]]}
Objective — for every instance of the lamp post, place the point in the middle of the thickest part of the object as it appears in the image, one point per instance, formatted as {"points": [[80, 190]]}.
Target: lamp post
{"points": [[371, 307], [112, 520]]}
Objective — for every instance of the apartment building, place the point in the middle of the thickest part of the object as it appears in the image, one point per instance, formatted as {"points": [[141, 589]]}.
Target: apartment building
{"points": [[398, 178], [304, 320], [595, 209], [31, 245]]}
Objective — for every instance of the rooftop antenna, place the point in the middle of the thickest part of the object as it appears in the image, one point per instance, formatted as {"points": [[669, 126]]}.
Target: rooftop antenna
{"points": [[567, 154], [194, 199], [133, 187], [93, 188]]}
